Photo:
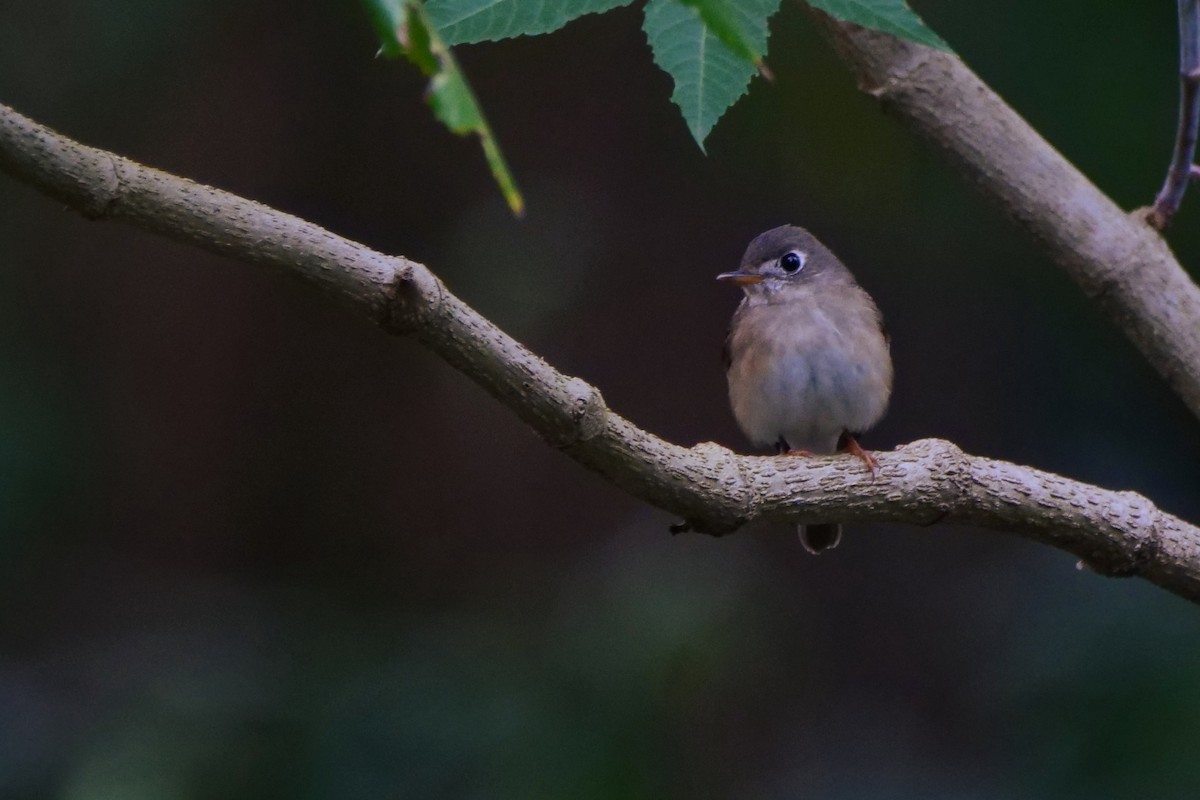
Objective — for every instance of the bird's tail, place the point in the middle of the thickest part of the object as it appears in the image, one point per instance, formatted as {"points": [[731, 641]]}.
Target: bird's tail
{"points": [[823, 536]]}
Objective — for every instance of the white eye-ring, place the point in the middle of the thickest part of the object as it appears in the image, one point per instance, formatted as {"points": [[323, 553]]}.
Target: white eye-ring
{"points": [[792, 261]]}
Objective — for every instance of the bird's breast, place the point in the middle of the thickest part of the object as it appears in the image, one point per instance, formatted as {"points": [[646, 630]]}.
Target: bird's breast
{"points": [[798, 373]]}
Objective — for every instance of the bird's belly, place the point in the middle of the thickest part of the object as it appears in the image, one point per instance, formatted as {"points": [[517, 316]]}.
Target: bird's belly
{"points": [[808, 399]]}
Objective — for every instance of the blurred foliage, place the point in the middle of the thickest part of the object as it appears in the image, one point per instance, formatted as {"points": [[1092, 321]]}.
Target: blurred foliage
{"points": [[710, 48], [253, 548], [405, 29]]}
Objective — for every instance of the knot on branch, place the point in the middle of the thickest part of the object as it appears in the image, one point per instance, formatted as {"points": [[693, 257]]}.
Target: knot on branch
{"points": [[950, 460], [937, 473], [738, 496], [736, 477], [1151, 215], [413, 299], [585, 418], [103, 195], [1139, 539]]}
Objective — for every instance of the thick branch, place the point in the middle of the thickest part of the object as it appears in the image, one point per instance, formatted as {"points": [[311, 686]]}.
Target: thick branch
{"points": [[1118, 260], [1180, 171], [1117, 533]]}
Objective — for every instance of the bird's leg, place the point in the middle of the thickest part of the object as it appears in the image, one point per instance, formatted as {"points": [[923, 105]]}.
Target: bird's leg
{"points": [[848, 444], [782, 448]]}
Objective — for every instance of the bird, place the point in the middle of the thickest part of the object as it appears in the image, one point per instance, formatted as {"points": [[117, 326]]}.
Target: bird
{"points": [[807, 357]]}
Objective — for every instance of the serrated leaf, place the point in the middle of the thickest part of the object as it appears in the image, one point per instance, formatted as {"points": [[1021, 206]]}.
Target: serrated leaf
{"points": [[405, 29], [889, 16], [720, 17], [469, 21], [709, 75]]}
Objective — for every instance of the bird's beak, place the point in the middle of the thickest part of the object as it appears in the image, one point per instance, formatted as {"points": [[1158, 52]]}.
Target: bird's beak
{"points": [[740, 278]]}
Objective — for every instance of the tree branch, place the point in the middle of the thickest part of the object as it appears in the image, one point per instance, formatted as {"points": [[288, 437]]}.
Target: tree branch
{"points": [[1118, 260], [1181, 171], [715, 490]]}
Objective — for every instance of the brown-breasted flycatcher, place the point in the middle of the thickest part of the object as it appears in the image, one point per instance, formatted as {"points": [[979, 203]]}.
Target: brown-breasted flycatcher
{"points": [[807, 359]]}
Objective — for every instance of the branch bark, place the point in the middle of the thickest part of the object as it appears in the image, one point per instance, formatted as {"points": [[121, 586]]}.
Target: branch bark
{"points": [[1119, 260], [715, 490]]}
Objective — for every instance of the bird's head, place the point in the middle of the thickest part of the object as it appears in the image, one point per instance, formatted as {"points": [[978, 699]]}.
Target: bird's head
{"points": [[784, 259]]}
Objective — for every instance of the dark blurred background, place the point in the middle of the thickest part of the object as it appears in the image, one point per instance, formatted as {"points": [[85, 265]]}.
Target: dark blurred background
{"points": [[252, 547]]}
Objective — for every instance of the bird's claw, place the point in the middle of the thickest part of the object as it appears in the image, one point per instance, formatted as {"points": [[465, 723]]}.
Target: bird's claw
{"points": [[852, 447]]}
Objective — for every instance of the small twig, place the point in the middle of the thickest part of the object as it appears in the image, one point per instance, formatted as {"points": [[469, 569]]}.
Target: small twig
{"points": [[1182, 170]]}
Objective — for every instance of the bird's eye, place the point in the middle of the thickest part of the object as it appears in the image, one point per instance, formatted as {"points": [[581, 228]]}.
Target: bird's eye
{"points": [[792, 261]]}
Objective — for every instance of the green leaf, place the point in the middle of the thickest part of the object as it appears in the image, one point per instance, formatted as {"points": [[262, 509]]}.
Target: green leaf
{"points": [[404, 29], [889, 16], [720, 17], [387, 17], [709, 74], [468, 21]]}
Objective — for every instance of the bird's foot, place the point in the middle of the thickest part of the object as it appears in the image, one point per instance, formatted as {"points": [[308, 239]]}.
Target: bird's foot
{"points": [[850, 445], [791, 452]]}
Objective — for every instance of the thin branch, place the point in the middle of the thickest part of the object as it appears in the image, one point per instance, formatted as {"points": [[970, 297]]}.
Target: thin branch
{"points": [[715, 490], [1120, 262], [1179, 173]]}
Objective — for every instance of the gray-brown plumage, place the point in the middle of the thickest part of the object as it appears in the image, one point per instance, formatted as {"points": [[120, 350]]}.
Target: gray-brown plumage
{"points": [[807, 359]]}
